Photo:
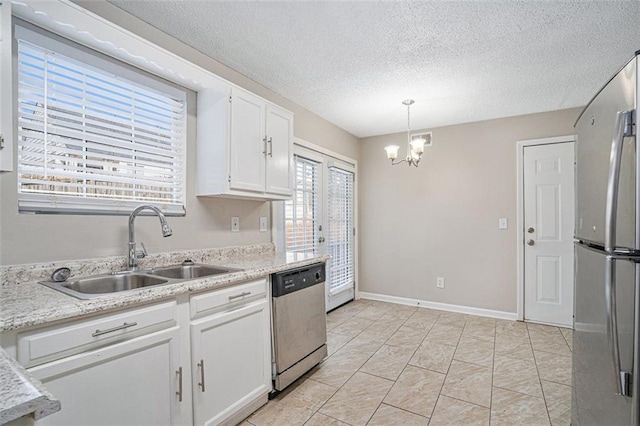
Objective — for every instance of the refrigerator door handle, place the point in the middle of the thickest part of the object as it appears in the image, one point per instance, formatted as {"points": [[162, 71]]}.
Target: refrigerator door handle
{"points": [[622, 128], [622, 378]]}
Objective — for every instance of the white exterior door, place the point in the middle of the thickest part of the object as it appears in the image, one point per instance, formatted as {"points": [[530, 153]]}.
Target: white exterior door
{"points": [[549, 196], [320, 219]]}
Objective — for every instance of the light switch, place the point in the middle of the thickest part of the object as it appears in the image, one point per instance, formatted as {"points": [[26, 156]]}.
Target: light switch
{"points": [[263, 224], [235, 224], [502, 223]]}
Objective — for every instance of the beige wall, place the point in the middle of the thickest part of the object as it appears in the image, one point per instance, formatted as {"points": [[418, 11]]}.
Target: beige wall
{"points": [[441, 219], [40, 238]]}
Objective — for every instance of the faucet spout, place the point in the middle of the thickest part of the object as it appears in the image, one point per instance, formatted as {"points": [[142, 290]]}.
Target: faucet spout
{"points": [[166, 232]]}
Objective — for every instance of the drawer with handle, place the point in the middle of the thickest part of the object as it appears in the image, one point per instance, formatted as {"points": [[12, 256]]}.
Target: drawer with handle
{"points": [[47, 344], [227, 296]]}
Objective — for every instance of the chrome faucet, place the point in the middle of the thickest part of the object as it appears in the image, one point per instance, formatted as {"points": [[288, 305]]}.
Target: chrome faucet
{"points": [[134, 255]]}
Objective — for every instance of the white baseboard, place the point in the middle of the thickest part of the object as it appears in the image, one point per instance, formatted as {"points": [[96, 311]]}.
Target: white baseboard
{"points": [[439, 306]]}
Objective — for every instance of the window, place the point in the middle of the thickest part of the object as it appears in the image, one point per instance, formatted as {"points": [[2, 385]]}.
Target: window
{"points": [[301, 212], [341, 226], [95, 136]]}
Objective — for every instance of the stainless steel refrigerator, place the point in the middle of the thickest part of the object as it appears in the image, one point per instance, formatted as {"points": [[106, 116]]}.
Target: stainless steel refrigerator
{"points": [[607, 252]]}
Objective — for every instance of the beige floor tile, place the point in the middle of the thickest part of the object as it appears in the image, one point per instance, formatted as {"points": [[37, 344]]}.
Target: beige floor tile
{"points": [[407, 337], [558, 399], [554, 368], [402, 311], [453, 412], [245, 423], [416, 390], [447, 334], [513, 347], [422, 319], [433, 356], [384, 328], [276, 413], [474, 351], [373, 312], [480, 330], [567, 333], [367, 342], [321, 420], [514, 408], [358, 399], [513, 328], [338, 368], [517, 375], [309, 393], [388, 362], [335, 342], [387, 415], [549, 330], [468, 382], [453, 319], [352, 327], [556, 344]]}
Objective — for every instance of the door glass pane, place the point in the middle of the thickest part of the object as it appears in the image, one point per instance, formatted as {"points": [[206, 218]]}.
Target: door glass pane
{"points": [[301, 212], [341, 226]]}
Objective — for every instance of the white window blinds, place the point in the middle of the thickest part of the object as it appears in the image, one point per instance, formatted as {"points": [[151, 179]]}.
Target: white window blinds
{"points": [[90, 141], [341, 228], [301, 212]]}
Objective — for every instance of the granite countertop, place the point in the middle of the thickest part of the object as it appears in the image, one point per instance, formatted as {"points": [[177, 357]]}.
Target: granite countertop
{"points": [[22, 395], [25, 303]]}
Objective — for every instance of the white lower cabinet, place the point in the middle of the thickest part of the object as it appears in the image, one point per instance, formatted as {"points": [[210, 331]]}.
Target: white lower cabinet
{"points": [[203, 359], [129, 383], [231, 362]]}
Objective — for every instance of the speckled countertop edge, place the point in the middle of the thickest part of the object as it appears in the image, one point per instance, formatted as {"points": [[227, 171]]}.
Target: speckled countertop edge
{"points": [[21, 394]]}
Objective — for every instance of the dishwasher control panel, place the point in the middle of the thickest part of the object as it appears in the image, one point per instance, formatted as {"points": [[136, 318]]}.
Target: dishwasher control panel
{"points": [[286, 282]]}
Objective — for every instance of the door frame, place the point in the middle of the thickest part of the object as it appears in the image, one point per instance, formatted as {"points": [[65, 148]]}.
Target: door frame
{"points": [[520, 146], [277, 211]]}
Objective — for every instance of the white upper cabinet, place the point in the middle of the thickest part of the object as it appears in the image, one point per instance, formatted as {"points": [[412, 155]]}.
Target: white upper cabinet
{"points": [[248, 142], [279, 150], [6, 89], [245, 146]]}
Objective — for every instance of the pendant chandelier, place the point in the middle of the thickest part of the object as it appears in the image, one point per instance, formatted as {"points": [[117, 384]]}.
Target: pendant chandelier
{"points": [[415, 147]]}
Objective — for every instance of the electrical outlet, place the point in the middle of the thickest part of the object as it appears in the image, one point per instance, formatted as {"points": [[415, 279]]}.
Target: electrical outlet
{"points": [[440, 282], [263, 224], [235, 224]]}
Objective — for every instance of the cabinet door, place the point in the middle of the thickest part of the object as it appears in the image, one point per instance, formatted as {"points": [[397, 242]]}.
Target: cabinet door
{"points": [[236, 351], [129, 383], [6, 105], [279, 151], [248, 143]]}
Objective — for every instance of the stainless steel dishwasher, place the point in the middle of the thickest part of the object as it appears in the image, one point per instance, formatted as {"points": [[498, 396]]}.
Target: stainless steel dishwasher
{"points": [[299, 322]]}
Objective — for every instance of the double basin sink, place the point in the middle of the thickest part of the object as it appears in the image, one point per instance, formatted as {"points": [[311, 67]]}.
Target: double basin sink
{"points": [[100, 285]]}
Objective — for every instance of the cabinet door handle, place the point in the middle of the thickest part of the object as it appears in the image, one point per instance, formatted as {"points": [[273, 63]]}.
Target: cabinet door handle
{"points": [[179, 392], [265, 145], [99, 332], [243, 294], [201, 367], [270, 147]]}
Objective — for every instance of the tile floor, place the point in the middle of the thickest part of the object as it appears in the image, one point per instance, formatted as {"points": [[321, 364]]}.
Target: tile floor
{"points": [[391, 364]]}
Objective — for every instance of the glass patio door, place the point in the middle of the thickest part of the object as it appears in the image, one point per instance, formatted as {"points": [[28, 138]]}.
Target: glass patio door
{"points": [[319, 219]]}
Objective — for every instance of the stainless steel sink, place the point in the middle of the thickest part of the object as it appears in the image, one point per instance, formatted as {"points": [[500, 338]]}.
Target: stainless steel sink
{"points": [[190, 271], [98, 285], [101, 285]]}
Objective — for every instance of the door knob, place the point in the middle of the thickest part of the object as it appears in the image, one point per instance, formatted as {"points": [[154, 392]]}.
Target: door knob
{"points": [[531, 230], [530, 242]]}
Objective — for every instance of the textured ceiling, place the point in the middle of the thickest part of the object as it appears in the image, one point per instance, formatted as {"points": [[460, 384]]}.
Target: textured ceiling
{"points": [[354, 62]]}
